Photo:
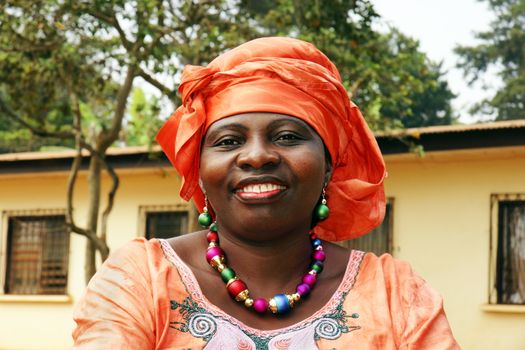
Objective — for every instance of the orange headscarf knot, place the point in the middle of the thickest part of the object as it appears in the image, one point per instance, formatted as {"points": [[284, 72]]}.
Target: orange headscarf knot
{"points": [[309, 87]]}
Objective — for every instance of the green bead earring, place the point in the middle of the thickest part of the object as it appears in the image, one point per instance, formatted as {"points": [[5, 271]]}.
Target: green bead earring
{"points": [[205, 217], [322, 211]]}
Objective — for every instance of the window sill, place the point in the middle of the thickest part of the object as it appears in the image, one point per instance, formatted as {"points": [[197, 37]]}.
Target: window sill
{"points": [[504, 309], [49, 299]]}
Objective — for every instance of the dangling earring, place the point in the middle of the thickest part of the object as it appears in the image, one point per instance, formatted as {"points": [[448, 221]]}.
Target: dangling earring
{"points": [[322, 211], [205, 217]]}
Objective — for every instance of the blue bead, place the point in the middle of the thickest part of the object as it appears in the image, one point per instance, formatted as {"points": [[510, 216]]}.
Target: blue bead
{"points": [[283, 304], [316, 242]]}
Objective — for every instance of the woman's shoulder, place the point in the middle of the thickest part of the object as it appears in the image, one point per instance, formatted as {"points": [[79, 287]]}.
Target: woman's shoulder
{"points": [[395, 276]]}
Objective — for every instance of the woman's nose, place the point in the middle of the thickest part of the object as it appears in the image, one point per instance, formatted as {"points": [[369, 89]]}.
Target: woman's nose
{"points": [[257, 154]]}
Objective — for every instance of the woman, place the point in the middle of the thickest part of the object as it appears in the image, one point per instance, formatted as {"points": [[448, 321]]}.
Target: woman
{"points": [[277, 158]]}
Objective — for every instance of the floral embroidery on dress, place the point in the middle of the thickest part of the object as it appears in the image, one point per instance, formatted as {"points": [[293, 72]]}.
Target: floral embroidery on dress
{"points": [[221, 334]]}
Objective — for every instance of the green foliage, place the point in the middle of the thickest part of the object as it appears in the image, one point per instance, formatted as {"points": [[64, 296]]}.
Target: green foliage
{"points": [[144, 122], [502, 46], [393, 82], [51, 50]]}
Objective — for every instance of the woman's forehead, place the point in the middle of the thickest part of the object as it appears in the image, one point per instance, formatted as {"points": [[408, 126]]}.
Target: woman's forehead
{"points": [[257, 120]]}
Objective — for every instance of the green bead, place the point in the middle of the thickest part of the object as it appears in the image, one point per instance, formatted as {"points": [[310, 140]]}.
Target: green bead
{"points": [[317, 267], [227, 274], [322, 211], [204, 219], [213, 227]]}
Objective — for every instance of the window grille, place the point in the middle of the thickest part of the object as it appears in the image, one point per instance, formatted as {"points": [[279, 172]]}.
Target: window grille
{"points": [[510, 263], [37, 255], [379, 240], [166, 224]]}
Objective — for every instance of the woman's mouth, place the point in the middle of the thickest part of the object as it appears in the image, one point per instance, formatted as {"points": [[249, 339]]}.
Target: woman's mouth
{"points": [[260, 191]]}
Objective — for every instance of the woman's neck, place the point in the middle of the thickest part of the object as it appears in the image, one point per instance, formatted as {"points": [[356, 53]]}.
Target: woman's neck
{"points": [[270, 266]]}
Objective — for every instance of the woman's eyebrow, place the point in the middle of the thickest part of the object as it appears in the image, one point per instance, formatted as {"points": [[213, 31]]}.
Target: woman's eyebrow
{"points": [[279, 122], [226, 127]]}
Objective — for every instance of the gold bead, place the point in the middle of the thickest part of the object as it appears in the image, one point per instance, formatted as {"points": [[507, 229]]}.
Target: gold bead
{"points": [[221, 267], [312, 272], [216, 261], [242, 296], [290, 299], [296, 297], [248, 302], [272, 305], [231, 281], [212, 244]]}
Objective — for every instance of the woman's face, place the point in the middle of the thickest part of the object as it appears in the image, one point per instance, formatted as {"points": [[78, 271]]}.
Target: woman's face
{"points": [[262, 171]]}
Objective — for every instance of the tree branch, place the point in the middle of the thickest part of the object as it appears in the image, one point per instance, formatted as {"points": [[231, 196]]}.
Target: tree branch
{"points": [[162, 88], [39, 132], [107, 138], [111, 199]]}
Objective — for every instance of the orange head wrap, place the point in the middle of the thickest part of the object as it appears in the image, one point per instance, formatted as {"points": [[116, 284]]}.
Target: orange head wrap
{"points": [[292, 77]]}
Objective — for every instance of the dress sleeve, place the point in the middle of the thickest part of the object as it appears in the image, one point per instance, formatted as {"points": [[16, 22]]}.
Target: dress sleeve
{"points": [[116, 311], [426, 325]]}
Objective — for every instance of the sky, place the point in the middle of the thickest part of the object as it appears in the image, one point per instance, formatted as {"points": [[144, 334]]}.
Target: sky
{"points": [[440, 25]]}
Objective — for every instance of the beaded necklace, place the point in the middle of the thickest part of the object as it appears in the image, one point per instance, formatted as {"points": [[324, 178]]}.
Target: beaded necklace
{"points": [[280, 303]]}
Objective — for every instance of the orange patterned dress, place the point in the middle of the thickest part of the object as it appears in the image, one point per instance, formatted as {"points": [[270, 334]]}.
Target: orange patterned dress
{"points": [[146, 297]]}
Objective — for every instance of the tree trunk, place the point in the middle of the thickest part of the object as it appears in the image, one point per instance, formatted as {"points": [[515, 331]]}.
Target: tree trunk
{"points": [[90, 266]]}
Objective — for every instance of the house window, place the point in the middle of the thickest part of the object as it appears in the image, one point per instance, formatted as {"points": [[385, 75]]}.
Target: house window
{"points": [[379, 240], [508, 243], [37, 255], [165, 221]]}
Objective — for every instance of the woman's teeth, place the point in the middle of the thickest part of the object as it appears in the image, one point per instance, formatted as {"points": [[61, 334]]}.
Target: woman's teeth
{"points": [[260, 188]]}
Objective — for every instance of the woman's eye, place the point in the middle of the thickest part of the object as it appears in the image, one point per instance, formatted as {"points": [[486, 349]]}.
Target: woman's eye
{"points": [[227, 142], [288, 137]]}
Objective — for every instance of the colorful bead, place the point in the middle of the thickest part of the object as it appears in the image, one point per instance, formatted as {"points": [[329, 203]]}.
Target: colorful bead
{"points": [[322, 211], [213, 227], [243, 296], [318, 266], [212, 237], [319, 255], [260, 305], [316, 242], [213, 252], [227, 274], [236, 287], [296, 297], [282, 304], [303, 289], [204, 219], [217, 261], [309, 280]]}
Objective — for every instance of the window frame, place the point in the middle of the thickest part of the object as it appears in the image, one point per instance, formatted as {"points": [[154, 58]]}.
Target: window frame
{"points": [[144, 210], [4, 239], [495, 199]]}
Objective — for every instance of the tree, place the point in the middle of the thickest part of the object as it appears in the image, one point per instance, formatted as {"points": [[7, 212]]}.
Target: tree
{"points": [[502, 46], [393, 82], [67, 70]]}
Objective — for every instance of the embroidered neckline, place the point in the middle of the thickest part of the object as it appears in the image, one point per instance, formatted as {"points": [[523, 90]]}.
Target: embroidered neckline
{"points": [[193, 288]]}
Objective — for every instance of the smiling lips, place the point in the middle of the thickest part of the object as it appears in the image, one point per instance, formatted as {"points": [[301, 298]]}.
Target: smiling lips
{"points": [[260, 191]]}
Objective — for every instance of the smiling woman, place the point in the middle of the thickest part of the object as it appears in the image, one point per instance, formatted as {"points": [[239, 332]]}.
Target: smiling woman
{"points": [[280, 163]]}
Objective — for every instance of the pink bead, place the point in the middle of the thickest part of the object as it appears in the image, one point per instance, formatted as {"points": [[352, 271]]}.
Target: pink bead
{"points": [[319, 255], [260, 305], [303, 289], [309, 280], [213, 252]]}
